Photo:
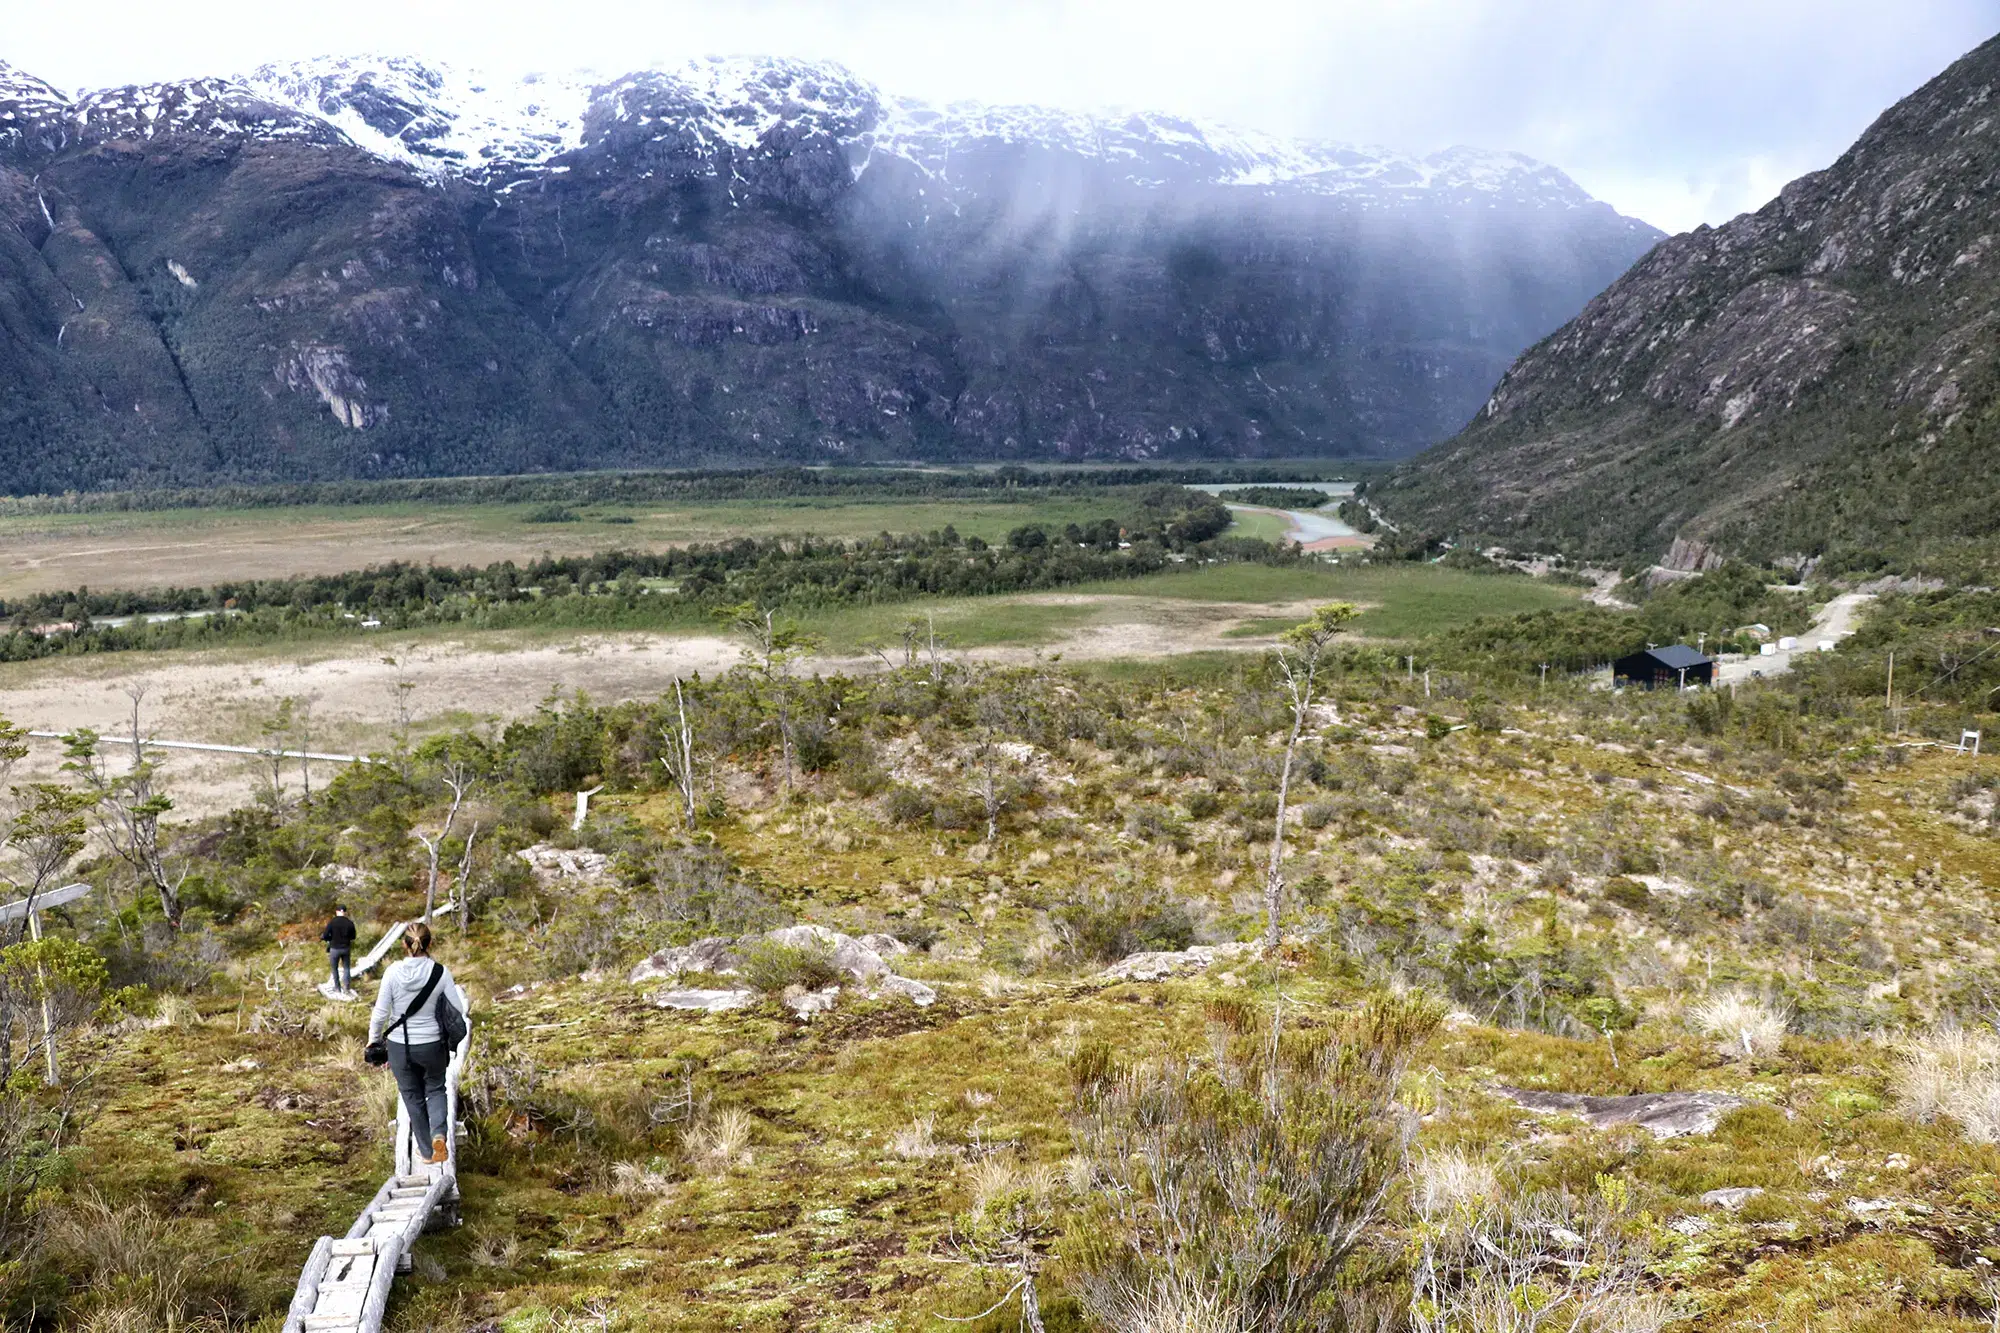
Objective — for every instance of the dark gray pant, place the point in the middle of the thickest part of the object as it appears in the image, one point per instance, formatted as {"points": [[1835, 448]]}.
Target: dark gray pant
{"points": [[341, 961], [419, 1072]]}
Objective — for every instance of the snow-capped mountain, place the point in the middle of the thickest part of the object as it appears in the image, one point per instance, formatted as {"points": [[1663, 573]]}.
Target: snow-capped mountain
{"points": [[384, 265], [34, 116], [447, 121]]}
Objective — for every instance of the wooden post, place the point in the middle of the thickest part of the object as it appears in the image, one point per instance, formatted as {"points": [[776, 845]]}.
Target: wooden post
{"points": [[1889, 693], [48, 1008]]}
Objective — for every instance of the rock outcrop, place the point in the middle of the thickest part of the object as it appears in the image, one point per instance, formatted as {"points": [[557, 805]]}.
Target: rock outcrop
{"points": [[862, 960], [1665, 1115], [1157, 965]]}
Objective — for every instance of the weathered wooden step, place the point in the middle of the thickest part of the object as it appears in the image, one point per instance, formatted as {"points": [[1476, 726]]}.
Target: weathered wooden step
{"points": [[340, 1303], [348, 1248]]}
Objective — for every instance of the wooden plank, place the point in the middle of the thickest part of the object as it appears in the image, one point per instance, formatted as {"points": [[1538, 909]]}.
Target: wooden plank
{"points": [[346, 1302], [353, 1247], [42, 902], [356, 1273], [360, 1227], [343, 1267]]}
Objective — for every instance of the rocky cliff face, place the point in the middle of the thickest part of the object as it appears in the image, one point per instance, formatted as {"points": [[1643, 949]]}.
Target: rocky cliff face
{"points": [[1817, 375], [378, 267]]}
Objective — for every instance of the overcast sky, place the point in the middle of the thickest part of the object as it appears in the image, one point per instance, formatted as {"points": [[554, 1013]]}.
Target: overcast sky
{"points": [[1676, 111]]}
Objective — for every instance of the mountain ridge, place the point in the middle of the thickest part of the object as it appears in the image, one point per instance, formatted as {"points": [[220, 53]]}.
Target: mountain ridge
{"points": [[1813, 377], [736, 260]]}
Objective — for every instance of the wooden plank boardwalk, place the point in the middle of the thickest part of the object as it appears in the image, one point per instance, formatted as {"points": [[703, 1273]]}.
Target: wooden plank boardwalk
{"points": [[345, 1285]]}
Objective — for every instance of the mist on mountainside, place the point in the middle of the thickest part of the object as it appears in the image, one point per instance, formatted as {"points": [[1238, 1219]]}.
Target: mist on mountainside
{"points": [[368, 268]]}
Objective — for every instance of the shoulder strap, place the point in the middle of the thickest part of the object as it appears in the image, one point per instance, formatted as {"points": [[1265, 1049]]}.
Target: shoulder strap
{"points": [[437, 971]]}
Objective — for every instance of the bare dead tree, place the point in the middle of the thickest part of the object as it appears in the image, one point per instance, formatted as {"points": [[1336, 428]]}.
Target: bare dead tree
{"points": [[679, 759], [465, 881], [1299, 655], [459, 781]]}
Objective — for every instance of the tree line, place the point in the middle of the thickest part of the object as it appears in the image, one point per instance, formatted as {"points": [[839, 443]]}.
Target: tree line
{"points": [[1167, 525]]}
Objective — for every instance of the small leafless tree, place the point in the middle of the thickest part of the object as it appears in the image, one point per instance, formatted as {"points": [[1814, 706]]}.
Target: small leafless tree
{"points": [[403, 702], [679, 759], [998, 781], [458, 779], [276, 731], [303, 727], [1299, 656], [465, 880]]}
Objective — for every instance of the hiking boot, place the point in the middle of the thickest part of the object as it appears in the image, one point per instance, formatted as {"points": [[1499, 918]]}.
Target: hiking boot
{"points": [[440, 1151]]}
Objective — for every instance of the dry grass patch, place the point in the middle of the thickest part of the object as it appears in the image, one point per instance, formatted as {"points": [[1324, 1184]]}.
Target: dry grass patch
{"points": [[1951, 1072], [1742, 1027]]}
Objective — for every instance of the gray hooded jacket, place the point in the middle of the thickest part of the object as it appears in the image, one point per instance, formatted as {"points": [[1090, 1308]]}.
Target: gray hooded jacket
{"points": [[400, 984]]}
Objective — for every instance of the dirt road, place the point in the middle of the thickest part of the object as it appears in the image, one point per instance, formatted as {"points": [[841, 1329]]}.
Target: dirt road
{"points": [[1837, 620]]}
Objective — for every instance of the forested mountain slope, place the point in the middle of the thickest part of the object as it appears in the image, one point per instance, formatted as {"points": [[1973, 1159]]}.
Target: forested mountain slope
{"points": [[1815, 376]]}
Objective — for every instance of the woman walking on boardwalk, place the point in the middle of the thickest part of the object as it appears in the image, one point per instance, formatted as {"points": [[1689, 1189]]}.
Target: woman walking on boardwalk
{"points": [[412, 1010]]}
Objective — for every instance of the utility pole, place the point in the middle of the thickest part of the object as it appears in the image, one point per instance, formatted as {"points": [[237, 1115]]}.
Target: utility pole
{"points": [[1684, 680]]}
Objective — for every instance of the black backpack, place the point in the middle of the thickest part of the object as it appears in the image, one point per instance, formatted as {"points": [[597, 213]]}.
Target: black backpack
{"points": [[450, 1019]]}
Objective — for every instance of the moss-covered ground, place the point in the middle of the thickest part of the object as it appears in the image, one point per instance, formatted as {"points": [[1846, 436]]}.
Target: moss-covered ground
{"points": [[1572, 874]]}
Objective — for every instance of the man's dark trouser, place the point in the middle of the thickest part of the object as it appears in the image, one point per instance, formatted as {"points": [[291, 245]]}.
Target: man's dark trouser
{"points": [[342, 963], [419, 1072]]}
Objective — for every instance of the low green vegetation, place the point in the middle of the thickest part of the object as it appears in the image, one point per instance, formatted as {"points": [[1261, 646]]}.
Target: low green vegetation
{"points": [[1489, 889]]}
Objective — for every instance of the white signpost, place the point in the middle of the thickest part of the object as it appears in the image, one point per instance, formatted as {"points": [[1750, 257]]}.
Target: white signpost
{"points": [[32, 908]]}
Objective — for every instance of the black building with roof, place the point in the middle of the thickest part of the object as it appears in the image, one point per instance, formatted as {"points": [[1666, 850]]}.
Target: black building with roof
{"points": [[1663, 666]]}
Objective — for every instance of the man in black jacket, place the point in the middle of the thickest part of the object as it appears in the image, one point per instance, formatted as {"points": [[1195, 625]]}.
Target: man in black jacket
{"points": [[339, 937]]}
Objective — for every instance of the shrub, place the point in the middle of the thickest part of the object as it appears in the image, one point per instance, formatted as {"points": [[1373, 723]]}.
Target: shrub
{"points": [[1629, 894], [1952, 1072], [1742, 1027], [1542, 1261], [1202, 804], [1105, 928], [770, 966], [1239, 1189], [1317, 814]]}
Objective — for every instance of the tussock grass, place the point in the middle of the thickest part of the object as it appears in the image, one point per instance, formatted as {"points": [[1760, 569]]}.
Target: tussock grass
{"points": [[719, 1142], [1951, 1072], [1742, 1027]]}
